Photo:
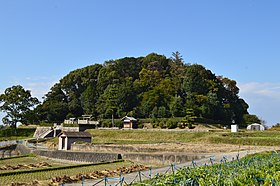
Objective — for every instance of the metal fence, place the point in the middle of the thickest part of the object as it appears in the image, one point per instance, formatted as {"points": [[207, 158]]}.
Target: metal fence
{"points": [[140, 176]]}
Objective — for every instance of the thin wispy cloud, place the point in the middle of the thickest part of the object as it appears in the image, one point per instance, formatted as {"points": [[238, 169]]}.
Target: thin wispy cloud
{"points": [[263, 99], [256, 86], [39, 89], [39, 86], [38, 78]]}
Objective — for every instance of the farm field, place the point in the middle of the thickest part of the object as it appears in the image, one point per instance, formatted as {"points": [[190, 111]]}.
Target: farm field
{"points": [[258, 169], [57, 172], [30, 162], [164, 140]]}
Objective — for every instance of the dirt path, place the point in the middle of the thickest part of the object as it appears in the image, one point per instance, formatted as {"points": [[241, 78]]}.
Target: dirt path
{"points": [[134, 177]]}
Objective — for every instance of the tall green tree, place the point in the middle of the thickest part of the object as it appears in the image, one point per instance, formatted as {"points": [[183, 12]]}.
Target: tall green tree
{"points": [[251, 118], [176, 107], [16, 102], [189, 118], [55, 105], [88, 100], [108, 102]]}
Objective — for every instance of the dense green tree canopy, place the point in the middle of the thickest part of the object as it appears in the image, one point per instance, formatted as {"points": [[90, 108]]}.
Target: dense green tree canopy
{"points": [[17, 104], [151, 86]]}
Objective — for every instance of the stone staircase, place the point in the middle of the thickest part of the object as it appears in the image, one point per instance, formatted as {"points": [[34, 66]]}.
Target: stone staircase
{"points": [[44, 132], [41, 132]]}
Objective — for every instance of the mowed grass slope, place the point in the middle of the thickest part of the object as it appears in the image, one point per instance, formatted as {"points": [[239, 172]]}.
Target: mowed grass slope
{"points": [[145, 136], [265, 138]]}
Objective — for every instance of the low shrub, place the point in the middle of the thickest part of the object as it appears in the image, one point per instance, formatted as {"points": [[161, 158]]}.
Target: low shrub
{"points": [[45, 124], [24, 132], [162, 124], [171, 124], [70, 125], [118, 123]]}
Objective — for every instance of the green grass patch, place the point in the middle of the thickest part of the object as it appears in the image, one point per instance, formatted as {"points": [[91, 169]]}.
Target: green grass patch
{"points": [[16, 157], [145, 136], [265, 138]]}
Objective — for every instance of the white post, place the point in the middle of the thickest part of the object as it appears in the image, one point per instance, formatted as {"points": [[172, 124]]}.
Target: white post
{"points": [[234, 128]]}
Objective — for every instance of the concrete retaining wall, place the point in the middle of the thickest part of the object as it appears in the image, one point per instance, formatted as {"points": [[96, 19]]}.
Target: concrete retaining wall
{"points": [[22, 149], [110, 148], [7, 151], [79, 156], [153, 158], [13, 150], [147, 155], [164, 159]]}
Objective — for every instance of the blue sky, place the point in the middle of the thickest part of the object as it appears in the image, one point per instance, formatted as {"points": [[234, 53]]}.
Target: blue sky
{"points": [[41, 41]]}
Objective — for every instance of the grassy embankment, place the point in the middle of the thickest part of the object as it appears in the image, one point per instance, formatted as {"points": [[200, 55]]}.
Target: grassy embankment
{"points": [[265, 138]]}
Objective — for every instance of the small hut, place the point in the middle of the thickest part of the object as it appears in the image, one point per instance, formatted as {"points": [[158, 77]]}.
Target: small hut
{"points": [[256, 126], [129, 122], [65, 139]]}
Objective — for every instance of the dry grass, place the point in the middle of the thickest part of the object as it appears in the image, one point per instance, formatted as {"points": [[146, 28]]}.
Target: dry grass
{"points": [[45, 177]]}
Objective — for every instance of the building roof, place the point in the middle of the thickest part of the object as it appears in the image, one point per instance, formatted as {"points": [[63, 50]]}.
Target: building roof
{"points": [[128, 119], [255, 124], [77, 134]]}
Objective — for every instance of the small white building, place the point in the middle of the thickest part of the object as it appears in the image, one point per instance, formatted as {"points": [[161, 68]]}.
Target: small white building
{"points": [[256, 126], [65, 139], [129, 122], [234, 128]]}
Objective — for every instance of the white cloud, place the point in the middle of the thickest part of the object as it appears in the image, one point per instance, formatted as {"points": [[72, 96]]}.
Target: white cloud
{"points": [[263, 99], [262, 89], [39, 89], [38, 86]]}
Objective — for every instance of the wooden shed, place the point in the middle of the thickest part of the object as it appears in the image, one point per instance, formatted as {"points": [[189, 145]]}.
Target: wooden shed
{"points": [[65, 139], [129, 122]]}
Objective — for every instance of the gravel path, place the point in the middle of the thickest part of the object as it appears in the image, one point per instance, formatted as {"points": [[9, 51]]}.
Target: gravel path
{"points": [[134, 177]]}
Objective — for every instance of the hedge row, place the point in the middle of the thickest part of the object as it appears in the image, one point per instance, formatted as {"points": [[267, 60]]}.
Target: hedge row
{"points": [[25, 132]]}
